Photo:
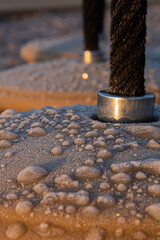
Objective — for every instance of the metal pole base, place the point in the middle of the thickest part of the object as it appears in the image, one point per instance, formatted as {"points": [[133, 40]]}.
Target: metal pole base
{"points": [[119, 109], [89, 57]]}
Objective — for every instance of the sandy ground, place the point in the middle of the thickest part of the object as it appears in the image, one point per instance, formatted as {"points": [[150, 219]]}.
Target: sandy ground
{"points": [[67, 176], [111, 185]]}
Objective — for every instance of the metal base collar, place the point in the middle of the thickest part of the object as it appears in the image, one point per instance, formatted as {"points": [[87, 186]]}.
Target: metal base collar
{"points": [[89, 57], [112, 108]]}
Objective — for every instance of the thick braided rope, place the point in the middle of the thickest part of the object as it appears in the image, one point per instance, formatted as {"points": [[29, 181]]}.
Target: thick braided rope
{"points": [[128, 38], [90, 24]]}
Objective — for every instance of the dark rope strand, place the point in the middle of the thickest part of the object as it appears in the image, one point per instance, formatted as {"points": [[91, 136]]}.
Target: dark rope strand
{"points": [[101, 16], [91, 24], [128, 38]]}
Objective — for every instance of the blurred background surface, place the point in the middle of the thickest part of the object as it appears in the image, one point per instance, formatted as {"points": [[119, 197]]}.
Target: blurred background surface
{"points": [[22, 21], [21, 5]]}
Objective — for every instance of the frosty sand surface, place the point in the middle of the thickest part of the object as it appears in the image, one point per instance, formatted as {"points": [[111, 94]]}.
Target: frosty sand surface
{"points": [[60, 164]]}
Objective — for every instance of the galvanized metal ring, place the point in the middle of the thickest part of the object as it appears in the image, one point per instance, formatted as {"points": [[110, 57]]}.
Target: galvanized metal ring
{"points": [[89, 57], [112, 108]]}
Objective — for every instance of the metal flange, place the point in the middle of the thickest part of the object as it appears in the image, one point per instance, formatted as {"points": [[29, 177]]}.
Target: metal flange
{"points": [[89, 57], [112, 108]]}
